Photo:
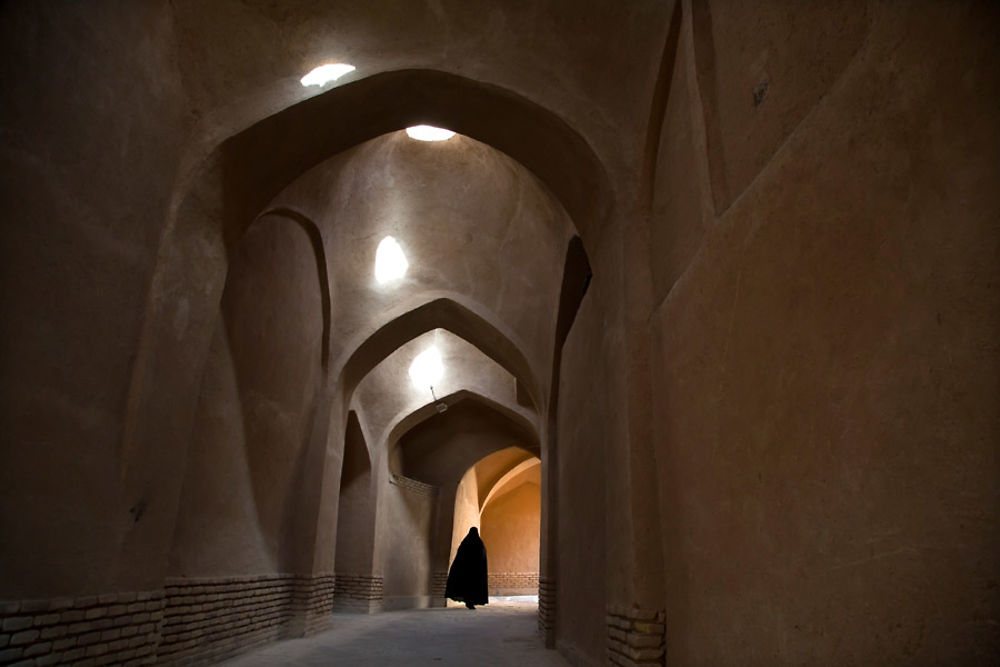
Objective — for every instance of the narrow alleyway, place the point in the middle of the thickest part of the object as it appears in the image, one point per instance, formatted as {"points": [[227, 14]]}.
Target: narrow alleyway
{"points": [[503, 633]]}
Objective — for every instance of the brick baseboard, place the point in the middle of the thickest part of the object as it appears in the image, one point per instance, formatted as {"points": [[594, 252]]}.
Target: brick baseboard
{"points": [[358, 593], [359, 586], [119, 628], [547, 610], [512, 583], [439, 583], [312, 602], [208, 620], [636, 637]]}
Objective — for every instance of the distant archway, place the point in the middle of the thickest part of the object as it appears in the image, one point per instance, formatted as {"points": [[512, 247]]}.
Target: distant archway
{"points": [[439, 313], [510, 524]]}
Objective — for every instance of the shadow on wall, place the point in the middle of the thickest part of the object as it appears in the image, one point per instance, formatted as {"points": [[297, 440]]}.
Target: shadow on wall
{"points": [[356, 512], [255, 408]]}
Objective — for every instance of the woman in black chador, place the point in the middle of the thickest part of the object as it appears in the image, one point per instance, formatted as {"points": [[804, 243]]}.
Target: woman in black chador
{"points": [[467, 577]]}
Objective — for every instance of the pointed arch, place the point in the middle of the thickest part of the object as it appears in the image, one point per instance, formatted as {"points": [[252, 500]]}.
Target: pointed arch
{"points": [[309, 226], [261, 160], [439, 313], [222, 192], [529, 436], [437, 448], [498, 488]]}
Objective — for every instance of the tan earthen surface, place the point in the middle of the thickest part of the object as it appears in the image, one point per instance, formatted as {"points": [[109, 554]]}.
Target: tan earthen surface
{"points": [[730, 270]]}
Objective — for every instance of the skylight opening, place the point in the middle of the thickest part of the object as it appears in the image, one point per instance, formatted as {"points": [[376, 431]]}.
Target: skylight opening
{"points": [[427, 368], [429, 133], [390, 262], [324, 74]]}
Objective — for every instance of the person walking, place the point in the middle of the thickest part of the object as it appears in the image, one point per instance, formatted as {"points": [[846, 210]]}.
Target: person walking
{"points": [[467, 580]]}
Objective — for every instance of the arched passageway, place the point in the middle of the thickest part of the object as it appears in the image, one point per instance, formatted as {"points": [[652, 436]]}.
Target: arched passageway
{"points": [[501, 496], [786, 357], [408, 520]]}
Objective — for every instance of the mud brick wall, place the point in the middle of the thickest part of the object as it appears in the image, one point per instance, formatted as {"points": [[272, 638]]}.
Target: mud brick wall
{"points": [[313, 601], [439, 583], [117, 628], [358, 592], [206, 620], [512, 581], [635, 636], [547, 609], [414, 485]]}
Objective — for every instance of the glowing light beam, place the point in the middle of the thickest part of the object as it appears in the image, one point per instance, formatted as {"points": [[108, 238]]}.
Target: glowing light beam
{"points": [[324, 74], [427, 368], [390, 262], [429, 133]]}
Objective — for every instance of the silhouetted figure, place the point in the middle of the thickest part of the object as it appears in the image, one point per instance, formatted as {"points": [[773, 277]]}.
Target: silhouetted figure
{"points": [[467, 577]]}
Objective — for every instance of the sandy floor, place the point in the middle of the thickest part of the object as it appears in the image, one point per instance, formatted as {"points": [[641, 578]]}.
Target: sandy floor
{"points": [[502, 633]]}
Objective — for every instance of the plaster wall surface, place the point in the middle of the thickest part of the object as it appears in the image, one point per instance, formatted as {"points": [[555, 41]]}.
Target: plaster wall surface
{"points": [[439, 450], [75, 267], [406, 557], [122, 354], [783, 54], [581, 560], [496, 467], [356, 506], [269, 341], [677, 225], [825, 395], [603, 82], [496, 239], [388, 395], [777, 403], [510, 529]]}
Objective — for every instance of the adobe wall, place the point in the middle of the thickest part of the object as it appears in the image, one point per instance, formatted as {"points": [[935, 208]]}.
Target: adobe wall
{"points": [[494, 241], [824, 244], [822, 314], [76, 269], [510, 531], [255, 412], [78, 366], [581, 551], [405, 557], [356, 505], [387, 398]]}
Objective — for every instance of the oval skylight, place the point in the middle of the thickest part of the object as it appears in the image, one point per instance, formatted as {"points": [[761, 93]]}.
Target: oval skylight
{"points": [[324, 74], [429, 133], [427, 368], [390, 262]]}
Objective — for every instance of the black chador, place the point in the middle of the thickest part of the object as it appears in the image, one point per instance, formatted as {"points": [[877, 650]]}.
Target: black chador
{"points": [[467, 577]]}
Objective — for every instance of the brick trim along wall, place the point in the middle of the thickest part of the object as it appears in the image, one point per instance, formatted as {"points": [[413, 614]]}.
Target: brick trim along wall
{"points": [[513, 583], [207, 620], [547, 609], [361, 593], [636, 637], [312, 602], [439, 583], [413, 485], [118, 628], [191, 621], [210, 619]]}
